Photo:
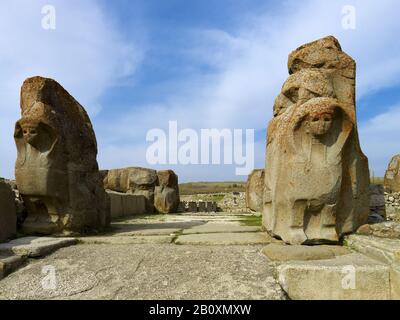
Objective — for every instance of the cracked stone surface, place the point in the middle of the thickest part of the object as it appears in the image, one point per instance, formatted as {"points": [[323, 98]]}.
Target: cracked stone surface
{"points": [[148, 271]]}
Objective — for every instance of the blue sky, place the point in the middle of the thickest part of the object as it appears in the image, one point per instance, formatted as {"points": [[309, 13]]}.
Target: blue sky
{"points": [[135, 65]]}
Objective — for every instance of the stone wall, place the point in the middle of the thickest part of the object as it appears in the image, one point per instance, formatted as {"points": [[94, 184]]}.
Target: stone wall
{"points": [[125, 204]]}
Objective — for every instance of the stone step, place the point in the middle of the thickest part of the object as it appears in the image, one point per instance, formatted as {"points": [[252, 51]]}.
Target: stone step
{"points": [[160, 239], [382, 249], [34, 247], [9, 264], [347, 277], [282, 253], [218, 227], [240, 238]]}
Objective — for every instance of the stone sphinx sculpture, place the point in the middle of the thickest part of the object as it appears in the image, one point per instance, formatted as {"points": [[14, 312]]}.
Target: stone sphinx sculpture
{"points": [[316, 176], [56, 169]]}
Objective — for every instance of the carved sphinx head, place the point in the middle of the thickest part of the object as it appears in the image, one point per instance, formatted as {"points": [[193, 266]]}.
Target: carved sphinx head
{"points": [[319, 123], [35, 133]]}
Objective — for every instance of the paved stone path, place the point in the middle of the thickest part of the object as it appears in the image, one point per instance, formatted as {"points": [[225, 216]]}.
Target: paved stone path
{"points": [[198, 256], [159, 257]]}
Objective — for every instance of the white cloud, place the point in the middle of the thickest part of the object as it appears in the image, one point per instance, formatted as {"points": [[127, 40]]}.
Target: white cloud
{"points": [[248, 66], [84, 53], [380, 138], [245, 70]]}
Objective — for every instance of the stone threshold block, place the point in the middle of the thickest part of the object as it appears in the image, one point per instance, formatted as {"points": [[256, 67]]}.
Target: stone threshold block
{"points": [[35, 247], [348, 277], [10, 263], [384, 250], [241, 238]]}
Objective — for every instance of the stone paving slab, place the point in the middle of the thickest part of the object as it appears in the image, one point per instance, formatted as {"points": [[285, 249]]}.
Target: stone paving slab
{"points": [[353, 277], [281, 252], [215, 227], [9, 264], [34, 247], [148, 271], [159, 239], [242, 238], [385, 250]]}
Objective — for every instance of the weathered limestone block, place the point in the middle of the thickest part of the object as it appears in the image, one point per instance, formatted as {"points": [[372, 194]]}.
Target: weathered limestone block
{"points": [[346, 277], [392, 175], [134, 180], [56, 170], [166, 195], [255, 190], [316, 176], [126, 204], [8, 212]]}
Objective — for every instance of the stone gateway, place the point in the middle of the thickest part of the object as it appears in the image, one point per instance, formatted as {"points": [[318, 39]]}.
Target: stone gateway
{"points": [[316, 176], [56, 169]]}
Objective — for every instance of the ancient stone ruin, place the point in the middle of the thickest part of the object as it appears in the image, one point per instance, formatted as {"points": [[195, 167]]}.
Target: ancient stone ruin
{"points": [[159, 190], [316, 178], [255, 190], [56, 169], [391, 181], [8, 216]]}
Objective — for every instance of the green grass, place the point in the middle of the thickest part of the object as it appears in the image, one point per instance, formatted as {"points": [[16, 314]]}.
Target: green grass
{"points": [[191, 188], [252, 221], [376, 180]]}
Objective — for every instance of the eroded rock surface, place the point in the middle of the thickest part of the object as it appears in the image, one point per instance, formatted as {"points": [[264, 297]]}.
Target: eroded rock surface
{"points": [[255, 190]]}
